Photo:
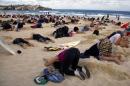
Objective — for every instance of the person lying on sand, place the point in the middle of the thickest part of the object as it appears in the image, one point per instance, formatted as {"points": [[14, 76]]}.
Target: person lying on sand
{"points": [[6, 26], [40, 38], [22, 42], [67, 63]]}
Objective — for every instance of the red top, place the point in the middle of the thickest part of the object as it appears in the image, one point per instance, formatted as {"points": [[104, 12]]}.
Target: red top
{"points": [[125, 26], [61, 56]]}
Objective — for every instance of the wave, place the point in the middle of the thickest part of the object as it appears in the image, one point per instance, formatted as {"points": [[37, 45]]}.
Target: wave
{"points": [[86, 13]]}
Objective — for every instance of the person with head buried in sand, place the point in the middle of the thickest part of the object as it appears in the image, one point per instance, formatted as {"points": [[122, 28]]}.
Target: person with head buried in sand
{"points": [[22, 42], [102, 50], [67, 63], [40, 38]]}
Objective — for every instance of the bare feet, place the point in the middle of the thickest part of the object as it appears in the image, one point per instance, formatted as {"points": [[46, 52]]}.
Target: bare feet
{"points": [[117, 61], [52, 41], [31, 45], [46, 42], [23, 46]]}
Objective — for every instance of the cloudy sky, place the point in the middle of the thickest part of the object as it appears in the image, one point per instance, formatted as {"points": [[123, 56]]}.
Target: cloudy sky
{"points": [[123, 5]]}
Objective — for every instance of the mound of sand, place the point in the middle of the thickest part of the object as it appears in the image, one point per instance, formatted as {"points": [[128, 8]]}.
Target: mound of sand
{"points": [[110, 69]]}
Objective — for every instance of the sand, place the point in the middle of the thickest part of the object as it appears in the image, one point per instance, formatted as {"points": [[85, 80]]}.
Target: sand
{"points": [[21, 69]]}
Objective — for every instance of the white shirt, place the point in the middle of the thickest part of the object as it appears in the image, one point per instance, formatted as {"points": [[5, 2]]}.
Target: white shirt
{"points": [[114, 38]]}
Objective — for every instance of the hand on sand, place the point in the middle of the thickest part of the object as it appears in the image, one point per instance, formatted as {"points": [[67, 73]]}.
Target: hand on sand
{"points": [[45, 61]]}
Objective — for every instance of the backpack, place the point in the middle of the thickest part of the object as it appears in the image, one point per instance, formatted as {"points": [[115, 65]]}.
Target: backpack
{"points": [[53, 75]]}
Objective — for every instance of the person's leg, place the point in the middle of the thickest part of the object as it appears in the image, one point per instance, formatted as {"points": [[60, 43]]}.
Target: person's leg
{"points": [[92, 51], [71, 59], [26, 42], [22, 45], [65, 68], [49, 40], [43, 39], [75, 60]]}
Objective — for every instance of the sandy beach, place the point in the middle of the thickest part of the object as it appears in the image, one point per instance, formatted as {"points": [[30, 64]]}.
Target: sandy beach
{"points": [[21, 69]]}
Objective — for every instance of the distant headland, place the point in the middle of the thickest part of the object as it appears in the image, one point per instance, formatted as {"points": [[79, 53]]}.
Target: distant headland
{"points": [[23, 7]]}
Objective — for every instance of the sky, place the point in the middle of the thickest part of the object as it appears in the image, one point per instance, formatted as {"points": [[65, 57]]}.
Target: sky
{"points": [[120, 5]]}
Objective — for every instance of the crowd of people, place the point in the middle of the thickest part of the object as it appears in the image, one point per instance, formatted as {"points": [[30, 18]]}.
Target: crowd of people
{"points": [[67, 61]]}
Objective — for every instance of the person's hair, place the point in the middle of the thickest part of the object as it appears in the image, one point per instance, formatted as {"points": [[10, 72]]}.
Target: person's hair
{"points": [[19, 51], [76, 29]]}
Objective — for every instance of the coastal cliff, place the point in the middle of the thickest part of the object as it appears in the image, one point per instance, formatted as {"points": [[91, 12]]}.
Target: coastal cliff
{"points": [[23, 7]]}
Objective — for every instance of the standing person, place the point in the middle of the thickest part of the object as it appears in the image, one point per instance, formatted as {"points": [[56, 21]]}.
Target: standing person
{"points": [[18, 21], [118, 18], [67, 63], [107, 16]]}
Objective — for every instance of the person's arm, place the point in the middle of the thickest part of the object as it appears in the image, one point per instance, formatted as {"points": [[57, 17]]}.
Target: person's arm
{"points": [[50, 61], [123, 40], [117, 42], [113, 59]]}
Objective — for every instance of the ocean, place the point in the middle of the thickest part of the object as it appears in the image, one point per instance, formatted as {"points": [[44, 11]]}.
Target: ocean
{"points": [[69, 12]]}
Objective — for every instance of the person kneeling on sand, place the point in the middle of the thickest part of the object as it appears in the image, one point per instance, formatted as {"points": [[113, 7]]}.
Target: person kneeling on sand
{"points": [[22, 42], [67, 63], [102, 50]]}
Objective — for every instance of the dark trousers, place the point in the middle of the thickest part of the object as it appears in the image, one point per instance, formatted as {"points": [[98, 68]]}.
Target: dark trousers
{"points": [[20, 41], [92, 51], [69, 65]]}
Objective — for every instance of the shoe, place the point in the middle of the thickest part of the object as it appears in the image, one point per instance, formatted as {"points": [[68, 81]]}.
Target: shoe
{"points": [[86, 71], [41, 80], [80, 74]]}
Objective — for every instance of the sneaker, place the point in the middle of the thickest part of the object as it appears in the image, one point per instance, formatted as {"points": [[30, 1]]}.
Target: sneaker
{"points": [[86, 71], [41, 80], [79, 74]]}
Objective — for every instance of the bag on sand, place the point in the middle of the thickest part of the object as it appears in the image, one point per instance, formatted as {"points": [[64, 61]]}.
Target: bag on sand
{"points": [[53, 75]]}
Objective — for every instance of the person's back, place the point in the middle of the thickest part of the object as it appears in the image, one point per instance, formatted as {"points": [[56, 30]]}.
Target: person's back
{"points": [[86, 28], [39, 25], [6, 26], [115, 38], [36, 36], [111, 35], [20, 25], [61, 32]]}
